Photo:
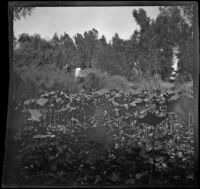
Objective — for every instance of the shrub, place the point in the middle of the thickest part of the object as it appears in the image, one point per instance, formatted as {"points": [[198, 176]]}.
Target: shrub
{"points": [[32, 81], [44, 78], [149, 82], [95, 80], [65, 82], [118, 82], [24, 86]]}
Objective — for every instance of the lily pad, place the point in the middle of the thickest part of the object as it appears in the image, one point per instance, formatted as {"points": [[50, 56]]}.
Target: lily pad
{"points": [[133, 104], [175, 97], [115, 177], [138, 100], [35, 115], [42, 101]]}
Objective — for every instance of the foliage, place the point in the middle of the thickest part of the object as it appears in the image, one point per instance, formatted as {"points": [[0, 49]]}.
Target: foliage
{"points": [[118, 82], [30, 82], [180, 24], [95, 80], [96, 137], [90, 144], [150, 49], [24, 86], [19, 12]]}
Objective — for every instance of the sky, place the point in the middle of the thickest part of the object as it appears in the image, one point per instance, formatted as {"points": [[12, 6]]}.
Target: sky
{"points": [[72, 20]]}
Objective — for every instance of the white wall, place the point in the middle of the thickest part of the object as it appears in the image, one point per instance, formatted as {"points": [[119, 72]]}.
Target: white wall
{"points": [[77, 70]]}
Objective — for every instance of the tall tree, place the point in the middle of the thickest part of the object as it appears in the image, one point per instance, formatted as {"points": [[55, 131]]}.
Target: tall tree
{"points": [[55, 40], [81, 58], [90, 39], [158, 39], [68, 50], [19, 12], [145, 47], [118, 46], [180, 34]]}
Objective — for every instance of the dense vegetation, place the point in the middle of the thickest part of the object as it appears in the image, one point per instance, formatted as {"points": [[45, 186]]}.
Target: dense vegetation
{"points": [[61, 134], [97, 139], [149, 50]]}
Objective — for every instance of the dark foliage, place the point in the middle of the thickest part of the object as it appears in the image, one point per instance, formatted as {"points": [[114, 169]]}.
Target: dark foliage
{"points": [[88, 143]]}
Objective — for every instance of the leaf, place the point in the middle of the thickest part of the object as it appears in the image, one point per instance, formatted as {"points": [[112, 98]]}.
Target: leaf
{"points": [[60, 149], [146, 99], [115, 177], [116, 112], [42, 101], [101, 92], [115, 103], [35, 115], [143, 155], [116, 146], [54, 166], [97, 179], [27, 102], [87, 177], [51, 92], [175, 97], [133, 104], [170, 91], [126, 106], [140, 175], [138, 100], [43, 136], [129, 181], [59, 100]]}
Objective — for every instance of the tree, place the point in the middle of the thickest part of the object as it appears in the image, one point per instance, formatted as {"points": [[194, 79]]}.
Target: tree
{"points": [[157, 40], [104, 56], [90, 41], [141, 18], [145, 44], [55, 40], [24, 37], [19, 12], [86, 46], [81, 58], [179, 27], [68, 50], [118, 46]]}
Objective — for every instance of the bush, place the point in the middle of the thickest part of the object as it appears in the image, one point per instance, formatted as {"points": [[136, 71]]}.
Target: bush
{"points": [[24, 86], [149, 82], [65, 82], [118, 82], [32, 81], [44, 78], [95, 80]]}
